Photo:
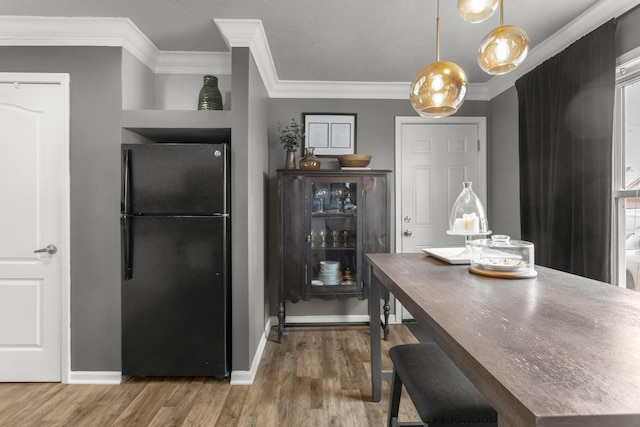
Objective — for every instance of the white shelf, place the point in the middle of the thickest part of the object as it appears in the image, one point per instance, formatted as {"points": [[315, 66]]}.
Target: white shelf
{"points": [[179, 125]]}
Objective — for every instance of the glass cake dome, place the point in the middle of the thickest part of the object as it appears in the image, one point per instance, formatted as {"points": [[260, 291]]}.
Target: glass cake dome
{"points": [[502, 257], [467, 215]]}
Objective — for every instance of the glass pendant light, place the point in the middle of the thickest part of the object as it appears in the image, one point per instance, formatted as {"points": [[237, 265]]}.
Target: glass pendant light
{"points": [[438, 90], [475, 11], [503, 49]]}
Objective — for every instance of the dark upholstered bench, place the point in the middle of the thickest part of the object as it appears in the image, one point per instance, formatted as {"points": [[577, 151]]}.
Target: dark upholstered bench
{"points": [[441, 393]]}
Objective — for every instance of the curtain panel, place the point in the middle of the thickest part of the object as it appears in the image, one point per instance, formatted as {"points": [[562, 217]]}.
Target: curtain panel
{"points": [[566, 110]]}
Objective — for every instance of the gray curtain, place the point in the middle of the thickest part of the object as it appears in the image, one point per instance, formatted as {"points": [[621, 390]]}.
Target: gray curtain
{"points": [[565, 128]]}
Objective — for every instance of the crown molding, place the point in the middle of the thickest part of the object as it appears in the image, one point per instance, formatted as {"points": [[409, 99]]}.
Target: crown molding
{"points": [[122, 32], [78, 31], [588, 21], [106, 31], [250, 33]]}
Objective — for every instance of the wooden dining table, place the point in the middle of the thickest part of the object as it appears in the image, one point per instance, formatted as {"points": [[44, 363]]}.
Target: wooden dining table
{"points": [[554, 350]]}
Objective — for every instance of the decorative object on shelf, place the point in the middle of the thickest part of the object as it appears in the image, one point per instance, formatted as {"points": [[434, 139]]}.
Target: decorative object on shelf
{"points": [[290, 162], [335, 238], [341, 193], [320, 192], [330, 134], [210, 97], [309, 160], [503, 49], [330, 272], [290, 137], [347, 277], [439, 89], [345, 238], [467, 216], [475, 11], [354, 160]]}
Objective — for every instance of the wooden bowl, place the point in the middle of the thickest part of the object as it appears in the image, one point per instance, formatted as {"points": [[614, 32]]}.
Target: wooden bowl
{"points": [[354, 160]]}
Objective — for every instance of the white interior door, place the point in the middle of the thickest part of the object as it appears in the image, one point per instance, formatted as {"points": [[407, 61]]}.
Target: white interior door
{"points": [[34, 191], [433, 159]]}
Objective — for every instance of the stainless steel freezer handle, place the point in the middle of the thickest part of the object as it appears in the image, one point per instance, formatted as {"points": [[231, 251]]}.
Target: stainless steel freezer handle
{"points": [[126, 182], [127, 264], [51, 249]]}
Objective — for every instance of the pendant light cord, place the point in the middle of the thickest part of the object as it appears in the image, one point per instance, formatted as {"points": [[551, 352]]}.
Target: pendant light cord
{"points": [[501, 14], [438, 31]]}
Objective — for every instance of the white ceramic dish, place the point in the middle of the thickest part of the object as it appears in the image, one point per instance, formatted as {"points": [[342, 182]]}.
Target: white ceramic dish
{"points": [[329, 265], [317, 283], [501, 264]]}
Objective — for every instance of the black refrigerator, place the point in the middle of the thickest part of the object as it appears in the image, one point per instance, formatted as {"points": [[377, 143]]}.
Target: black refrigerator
{"points": [[175, 226]]}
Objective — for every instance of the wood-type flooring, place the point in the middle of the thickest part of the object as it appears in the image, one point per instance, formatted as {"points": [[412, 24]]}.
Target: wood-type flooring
{"points": [[319, 376]]}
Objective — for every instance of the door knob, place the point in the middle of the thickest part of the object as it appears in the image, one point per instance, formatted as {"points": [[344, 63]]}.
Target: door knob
{"points": [[407, 232], [407, 218], [51, 249]]}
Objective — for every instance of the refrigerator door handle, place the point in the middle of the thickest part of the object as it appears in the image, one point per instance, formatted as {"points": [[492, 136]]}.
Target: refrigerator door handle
{"points": [[127, 265], [126, 181]]}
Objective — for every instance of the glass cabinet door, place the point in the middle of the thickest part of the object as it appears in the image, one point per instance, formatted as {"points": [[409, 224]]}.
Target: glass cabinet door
{"points": [[332, 256]]}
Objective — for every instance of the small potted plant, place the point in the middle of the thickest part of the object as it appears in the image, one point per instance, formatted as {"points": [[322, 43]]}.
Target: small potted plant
{"points": [[291, 137]]}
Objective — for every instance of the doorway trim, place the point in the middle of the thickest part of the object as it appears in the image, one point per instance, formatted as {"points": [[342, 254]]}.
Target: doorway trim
{"points": [[61, 79], [481, 186]]}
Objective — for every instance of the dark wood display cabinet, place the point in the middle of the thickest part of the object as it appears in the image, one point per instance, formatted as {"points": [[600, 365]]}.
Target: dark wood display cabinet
{"points": [[328, 219]]}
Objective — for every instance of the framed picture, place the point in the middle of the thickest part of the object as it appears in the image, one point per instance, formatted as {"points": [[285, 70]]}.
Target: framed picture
{"points": [[330, 134]]}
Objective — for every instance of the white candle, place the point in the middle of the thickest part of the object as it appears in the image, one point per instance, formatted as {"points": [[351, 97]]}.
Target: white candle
{"points": [[469, 223]]}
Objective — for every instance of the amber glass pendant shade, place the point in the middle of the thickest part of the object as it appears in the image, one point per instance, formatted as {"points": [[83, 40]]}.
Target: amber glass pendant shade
{"points": [[438, 90], [475, 11], [503, 49]]}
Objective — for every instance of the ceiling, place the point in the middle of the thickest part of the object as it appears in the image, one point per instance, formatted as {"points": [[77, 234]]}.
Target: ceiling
{"points": [[328, 40]]}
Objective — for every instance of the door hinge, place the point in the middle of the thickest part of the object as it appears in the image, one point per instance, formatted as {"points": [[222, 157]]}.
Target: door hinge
{"points": [[478, 145]]}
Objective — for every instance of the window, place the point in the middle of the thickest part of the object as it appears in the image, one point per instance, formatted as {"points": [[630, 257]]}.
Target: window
{"points": [[626, 178]]}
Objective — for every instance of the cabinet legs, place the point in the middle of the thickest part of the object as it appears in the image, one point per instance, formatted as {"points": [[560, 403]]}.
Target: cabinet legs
{"points": [[280, 322], [386, 309]]}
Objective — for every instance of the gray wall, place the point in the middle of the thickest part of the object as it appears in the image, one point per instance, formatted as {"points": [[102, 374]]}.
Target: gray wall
{"points": [[375, 135], [95, 133], [628, 31], [96, 79], [503, 182], [249, 156], [96, 104], [138, 91]]}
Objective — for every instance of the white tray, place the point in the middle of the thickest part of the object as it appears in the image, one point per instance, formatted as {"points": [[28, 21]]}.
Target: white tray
{"points": [[455, 255]]}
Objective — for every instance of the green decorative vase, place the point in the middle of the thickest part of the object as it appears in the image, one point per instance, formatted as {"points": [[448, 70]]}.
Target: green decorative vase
{"points": [[210, 97]]}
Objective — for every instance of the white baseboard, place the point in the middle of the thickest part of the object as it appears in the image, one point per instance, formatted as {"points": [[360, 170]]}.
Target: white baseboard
{"points": [[247, 377], [237, 377], [95, 377]]}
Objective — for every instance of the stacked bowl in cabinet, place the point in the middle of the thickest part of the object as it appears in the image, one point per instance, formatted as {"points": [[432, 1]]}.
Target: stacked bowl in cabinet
{"points": [[330, 272]]}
